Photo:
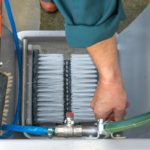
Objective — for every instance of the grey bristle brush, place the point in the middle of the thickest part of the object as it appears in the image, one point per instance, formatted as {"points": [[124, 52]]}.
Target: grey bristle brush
{"points": [[50, 89], [83, 84]]}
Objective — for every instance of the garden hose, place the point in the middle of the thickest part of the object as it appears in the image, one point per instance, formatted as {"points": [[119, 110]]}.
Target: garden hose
{"points": [[127, 124]]}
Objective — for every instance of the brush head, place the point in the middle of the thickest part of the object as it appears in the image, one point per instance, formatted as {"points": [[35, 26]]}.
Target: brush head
{"points": [[63, 86], [49, 85], [84, 80]]}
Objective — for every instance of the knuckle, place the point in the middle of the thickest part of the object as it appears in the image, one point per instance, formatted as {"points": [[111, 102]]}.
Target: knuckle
{"points": [[96, 110], [92, 105], [122, 106], [100, 116]]}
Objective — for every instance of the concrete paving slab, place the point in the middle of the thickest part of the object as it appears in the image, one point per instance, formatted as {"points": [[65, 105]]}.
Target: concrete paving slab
{"points": [[26, 14]]}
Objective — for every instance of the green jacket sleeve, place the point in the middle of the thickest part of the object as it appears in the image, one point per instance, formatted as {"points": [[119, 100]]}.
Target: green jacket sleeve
{"points": [[90, 21]]}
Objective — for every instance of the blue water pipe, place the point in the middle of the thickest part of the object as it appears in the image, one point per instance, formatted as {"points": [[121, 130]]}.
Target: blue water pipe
{"points": [[19, 58], [14, 127], [40, 131]]}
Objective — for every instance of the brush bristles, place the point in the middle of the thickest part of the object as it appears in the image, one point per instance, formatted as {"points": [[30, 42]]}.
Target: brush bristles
{"points": [[84, 81], [50, 88], [7, 98]]}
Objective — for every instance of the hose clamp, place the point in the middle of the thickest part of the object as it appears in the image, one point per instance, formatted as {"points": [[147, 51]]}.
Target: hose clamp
{"points": [[103, 133], [51, 132], [101, 130]]}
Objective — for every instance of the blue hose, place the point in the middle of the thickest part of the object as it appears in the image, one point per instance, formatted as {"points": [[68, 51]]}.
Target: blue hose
{"points": [[40, 131], [15, 128], [19, 58]]}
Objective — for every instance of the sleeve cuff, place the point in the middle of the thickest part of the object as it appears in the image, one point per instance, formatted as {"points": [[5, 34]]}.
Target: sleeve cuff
{"points": [[82, 36]]}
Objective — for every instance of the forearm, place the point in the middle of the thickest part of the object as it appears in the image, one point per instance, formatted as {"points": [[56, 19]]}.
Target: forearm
{"points": [[110, 99], [105, 56], [100, 24]]}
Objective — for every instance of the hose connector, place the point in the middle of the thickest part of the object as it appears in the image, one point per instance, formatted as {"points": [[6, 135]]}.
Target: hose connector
{"points": [[51, 132]]}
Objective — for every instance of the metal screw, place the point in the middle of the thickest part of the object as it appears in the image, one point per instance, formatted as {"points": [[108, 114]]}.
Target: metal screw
{"points": [[1, 63]]}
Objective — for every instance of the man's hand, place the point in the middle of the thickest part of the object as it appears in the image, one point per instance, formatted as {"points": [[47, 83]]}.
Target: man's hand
{"points": [[110, 98], [110, 101]]}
